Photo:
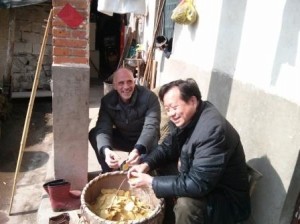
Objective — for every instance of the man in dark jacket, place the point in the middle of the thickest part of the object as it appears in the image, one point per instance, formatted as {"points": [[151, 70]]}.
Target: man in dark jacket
{"points": [[212, 183], [129, 119]]}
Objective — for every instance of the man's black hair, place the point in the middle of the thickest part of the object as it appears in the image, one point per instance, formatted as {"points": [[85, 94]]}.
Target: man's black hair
{"points": [[187, 88]]}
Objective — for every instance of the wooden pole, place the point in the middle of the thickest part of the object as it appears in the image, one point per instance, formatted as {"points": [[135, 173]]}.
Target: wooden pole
{"points": [[153, 75], [147, 72], [30, 106]]}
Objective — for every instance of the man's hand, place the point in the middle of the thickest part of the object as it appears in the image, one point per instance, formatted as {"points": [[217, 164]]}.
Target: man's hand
{"points": [[141, 168], [133, 158], [111, 158], [140, 180]]}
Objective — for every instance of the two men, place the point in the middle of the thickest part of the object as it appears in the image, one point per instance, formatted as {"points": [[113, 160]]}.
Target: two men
{"points": [[129, 119], [212, 185]]}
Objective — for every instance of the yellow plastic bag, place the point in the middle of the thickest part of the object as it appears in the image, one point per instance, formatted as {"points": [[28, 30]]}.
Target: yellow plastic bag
{"points": [[184, 13]]}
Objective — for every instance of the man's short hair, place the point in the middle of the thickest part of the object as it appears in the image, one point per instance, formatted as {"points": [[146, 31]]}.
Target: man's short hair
{"points": [[124, 69], [187, 88]]}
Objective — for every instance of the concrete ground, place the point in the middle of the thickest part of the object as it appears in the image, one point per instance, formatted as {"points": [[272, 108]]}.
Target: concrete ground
{"points": [[30, 178], [30, 202]]}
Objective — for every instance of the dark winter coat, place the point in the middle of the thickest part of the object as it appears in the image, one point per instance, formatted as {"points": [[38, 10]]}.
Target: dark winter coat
{"points": [[212, 166], [137, 122]]}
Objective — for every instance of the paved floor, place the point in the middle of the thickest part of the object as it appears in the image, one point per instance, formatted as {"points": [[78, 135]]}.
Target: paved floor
{"points": [[35, 158], [31, 204]]}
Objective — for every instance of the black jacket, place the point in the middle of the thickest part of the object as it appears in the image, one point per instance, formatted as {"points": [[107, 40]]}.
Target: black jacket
{"points": [[212, 166], [137, 123]]}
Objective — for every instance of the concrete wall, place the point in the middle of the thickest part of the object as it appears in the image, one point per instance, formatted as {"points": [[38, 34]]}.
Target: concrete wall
{"points": [[245, 58], [70, 123]]}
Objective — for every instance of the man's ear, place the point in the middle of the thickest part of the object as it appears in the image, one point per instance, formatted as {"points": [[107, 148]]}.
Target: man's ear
{"points": [[194, 101]]}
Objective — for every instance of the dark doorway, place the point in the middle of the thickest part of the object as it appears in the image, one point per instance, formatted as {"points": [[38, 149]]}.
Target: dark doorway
{"points": [[107, 40]]}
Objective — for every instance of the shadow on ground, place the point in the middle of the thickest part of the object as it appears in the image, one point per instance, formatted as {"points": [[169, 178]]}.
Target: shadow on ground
{"points": [[34, 161], [30, 161], [12, 130]]}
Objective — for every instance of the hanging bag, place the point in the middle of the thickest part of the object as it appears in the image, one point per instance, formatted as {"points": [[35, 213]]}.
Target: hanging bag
{"points": [[185, 12]]}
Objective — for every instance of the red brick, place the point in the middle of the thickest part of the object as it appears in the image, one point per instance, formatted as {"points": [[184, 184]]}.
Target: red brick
{"points": [[60, 42], [79, 4], [61, 32], [57, 22], [70, 60], [79, 52], [80, 60], [61, 60], [56, 10], [81, 34], [61, 51], [83, 25], [56, 3]]}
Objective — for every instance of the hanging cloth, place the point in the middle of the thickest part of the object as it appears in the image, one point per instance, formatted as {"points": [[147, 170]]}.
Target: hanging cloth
{"points": [[122, 6]]}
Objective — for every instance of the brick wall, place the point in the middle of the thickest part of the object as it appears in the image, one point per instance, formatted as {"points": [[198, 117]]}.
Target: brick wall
{"points": [[70, 45]]}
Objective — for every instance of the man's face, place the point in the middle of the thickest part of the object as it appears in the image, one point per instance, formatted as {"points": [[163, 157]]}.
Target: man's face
{"points": [[124, 84], [179, 111]]}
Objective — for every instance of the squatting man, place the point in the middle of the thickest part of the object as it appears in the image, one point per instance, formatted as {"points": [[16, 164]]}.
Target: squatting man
{"points": [[128, 120], [211, 184]]}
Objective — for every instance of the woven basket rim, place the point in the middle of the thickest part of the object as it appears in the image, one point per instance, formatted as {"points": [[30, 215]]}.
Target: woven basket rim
{"points": [[86, 211]]}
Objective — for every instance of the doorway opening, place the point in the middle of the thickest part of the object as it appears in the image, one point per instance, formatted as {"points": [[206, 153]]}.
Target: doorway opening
{"points": [[105, 42]]}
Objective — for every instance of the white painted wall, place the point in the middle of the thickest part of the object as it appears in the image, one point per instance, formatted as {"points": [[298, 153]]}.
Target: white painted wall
{"points": [[148, 27], [256, 42], [245, 58]]}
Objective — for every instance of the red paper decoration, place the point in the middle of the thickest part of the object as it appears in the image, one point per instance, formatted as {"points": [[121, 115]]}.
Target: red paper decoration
{"points": [[70, 16]]}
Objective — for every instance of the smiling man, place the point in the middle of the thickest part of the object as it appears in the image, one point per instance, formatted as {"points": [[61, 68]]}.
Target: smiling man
{"points": [[211, 184], [128, 120]]}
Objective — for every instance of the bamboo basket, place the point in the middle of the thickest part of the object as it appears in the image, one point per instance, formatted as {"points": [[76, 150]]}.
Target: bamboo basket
{"points": [[113, 180]]}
